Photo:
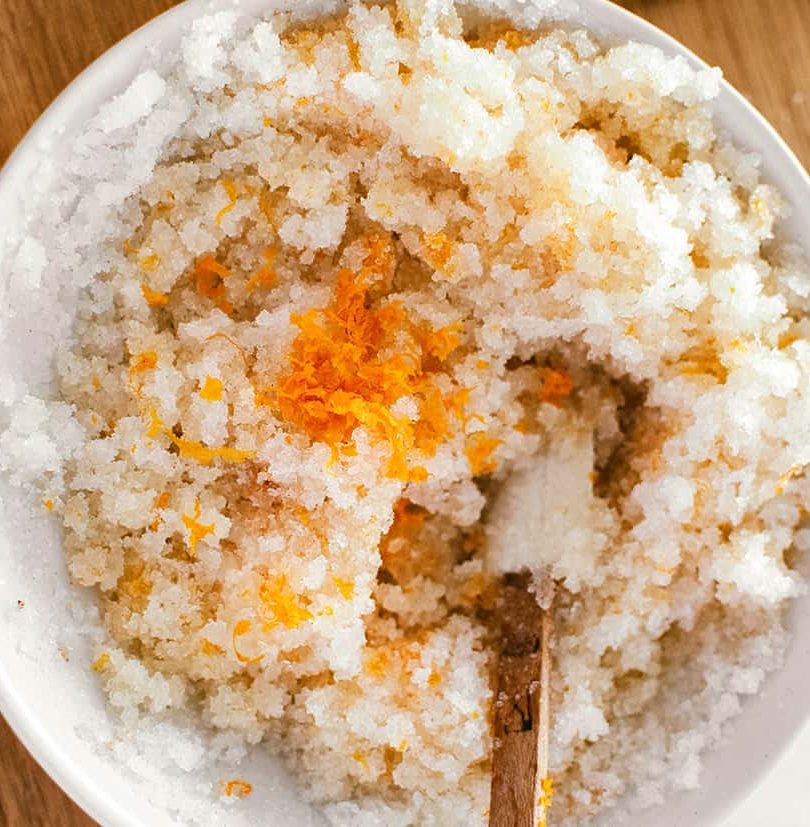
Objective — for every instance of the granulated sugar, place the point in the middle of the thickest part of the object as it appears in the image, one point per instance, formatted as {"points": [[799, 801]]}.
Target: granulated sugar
{"points": [[375, 308]]}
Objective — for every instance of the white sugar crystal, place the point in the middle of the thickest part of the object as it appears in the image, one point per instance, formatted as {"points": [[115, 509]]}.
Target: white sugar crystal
{"points": [[140, 98]]}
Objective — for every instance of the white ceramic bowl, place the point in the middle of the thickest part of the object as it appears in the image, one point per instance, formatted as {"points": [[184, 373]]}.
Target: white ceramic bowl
{"points": [[54, 705]]}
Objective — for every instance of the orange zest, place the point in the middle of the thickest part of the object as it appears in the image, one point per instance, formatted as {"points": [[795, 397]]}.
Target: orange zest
{"points": [[377, 663], [241, 628], [190, 449], [153, 298], [237, 788], [211, 390], [150, 263], [233, 194], [155, 423], [439, 249], [265, 276], [791, 474], [232, 342], [210, 649], [141, 363], [209, 276], [205, 455], [478, 450], [101, 662], [345, 587], [280, 605], [196, 530], [352, 360]]}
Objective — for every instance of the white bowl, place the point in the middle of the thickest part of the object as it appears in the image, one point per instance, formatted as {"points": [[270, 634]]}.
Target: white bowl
{"points": [[54, 705]]}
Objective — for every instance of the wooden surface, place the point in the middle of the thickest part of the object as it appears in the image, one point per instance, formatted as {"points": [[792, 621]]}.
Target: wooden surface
{"points": [[763, 47]]}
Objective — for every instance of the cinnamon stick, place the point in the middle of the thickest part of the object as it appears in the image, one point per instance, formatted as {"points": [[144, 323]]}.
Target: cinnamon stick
{"points": [[520, 752]]}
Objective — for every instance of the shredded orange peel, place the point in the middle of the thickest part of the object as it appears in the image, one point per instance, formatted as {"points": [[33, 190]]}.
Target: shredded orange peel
{"points": [[544, 800], [209, 276], [211, 391], [792, 473], [191, 449], [353, 359], [241, 628], [237, 788], [265, 276], [141, 363], [100, 663], [345, 587], [233, 195], [204, 455], [479, 449], [196, 530], [280, 606], [153, 298], [242, 352]]}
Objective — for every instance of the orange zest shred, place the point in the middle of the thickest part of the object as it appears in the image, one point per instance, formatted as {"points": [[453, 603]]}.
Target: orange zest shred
{"points": [[556, 386], [439, 343], [150, 263], [48, 504], [233, 342], [209, 276], [155, 423], [478, 449], [190, 449], [210, 649], [280, 605], [545, 797], [237, 788], [792, 473], [242, 627], [265, 276], [351, 362], [345, 587], [233, 194], [376, 664], [141, 363], [418, 474], [205, 455], [101, 662], [196, 530], [161, 502], [439, 249], [153, 298], [211, 390]]}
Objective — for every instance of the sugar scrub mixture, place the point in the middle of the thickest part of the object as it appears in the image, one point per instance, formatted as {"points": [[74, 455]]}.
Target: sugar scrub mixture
{"points": [[381, 306]]}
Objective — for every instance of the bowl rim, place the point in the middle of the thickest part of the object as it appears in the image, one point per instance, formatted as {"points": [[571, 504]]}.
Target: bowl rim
{"points": [[86, 86]]}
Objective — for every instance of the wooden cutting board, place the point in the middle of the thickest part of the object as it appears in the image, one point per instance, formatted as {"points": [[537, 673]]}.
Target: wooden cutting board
{"points": [[762, 45]]}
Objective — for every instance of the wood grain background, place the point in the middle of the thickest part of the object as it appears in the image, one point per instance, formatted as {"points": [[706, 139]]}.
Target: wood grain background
{"points": [[763, 47]]}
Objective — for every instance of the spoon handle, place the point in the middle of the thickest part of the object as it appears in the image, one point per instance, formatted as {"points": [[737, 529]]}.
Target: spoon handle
{"points": [[520, 751]]}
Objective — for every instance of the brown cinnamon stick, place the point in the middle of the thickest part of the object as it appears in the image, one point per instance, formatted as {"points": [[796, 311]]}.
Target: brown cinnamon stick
{"points": [[520, 752]]}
